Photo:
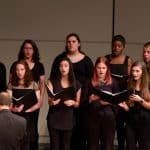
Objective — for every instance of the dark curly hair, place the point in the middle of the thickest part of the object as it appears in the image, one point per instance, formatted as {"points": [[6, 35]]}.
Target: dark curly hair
{"points": [[35, 56], [57, 76]]}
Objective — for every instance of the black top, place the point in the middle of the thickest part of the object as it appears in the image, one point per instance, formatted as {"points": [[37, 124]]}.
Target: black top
{"points": [[61, 116], [113, 88], [138, 115], [37, 70], [12, 130], [119, 69], [82, 69], [2, 77]]}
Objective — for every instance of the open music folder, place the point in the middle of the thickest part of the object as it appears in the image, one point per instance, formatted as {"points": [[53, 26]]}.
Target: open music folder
{"points": [[62, 94], [27, 97], [113, 98]]}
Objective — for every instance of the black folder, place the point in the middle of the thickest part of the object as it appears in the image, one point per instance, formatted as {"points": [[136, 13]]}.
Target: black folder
{"points": [[113, 98], [65, 93], [27, 97]]}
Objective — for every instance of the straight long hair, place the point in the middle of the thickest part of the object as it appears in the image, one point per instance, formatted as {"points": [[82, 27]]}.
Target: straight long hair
{"points": [[144, 84], [71, 76]]}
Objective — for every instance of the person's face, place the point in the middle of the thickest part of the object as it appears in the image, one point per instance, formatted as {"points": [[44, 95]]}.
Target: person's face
{"points": [[101, 70], [28, 50], [73, 44], [146, 54], [64, 68], [136, 73], [20, 71], [117, 48]]}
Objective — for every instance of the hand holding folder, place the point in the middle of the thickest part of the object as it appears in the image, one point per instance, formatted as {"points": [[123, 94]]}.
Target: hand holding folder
{"points": [[62, 94], [27, 97], [113, 98], [52, 94]]}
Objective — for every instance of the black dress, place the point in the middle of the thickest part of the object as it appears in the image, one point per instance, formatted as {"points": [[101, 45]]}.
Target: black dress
{"points": [[83, 72], [28, 94], [138, 128], [100, 119], [61, 119], [120, 69], [37, 71]]}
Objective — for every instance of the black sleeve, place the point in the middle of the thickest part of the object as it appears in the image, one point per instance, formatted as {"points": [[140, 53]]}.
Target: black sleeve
{"points": [[86, 92], [41, 70], [78, 85], [2, 77]]}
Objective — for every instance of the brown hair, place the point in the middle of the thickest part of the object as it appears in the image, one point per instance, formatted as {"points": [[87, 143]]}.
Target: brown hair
{"points": [[146, 44], [28, 75]]}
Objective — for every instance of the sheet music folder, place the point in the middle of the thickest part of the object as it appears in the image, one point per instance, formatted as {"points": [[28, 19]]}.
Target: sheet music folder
{"points": [[113, 98], [63, 94], [27, 97]]}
